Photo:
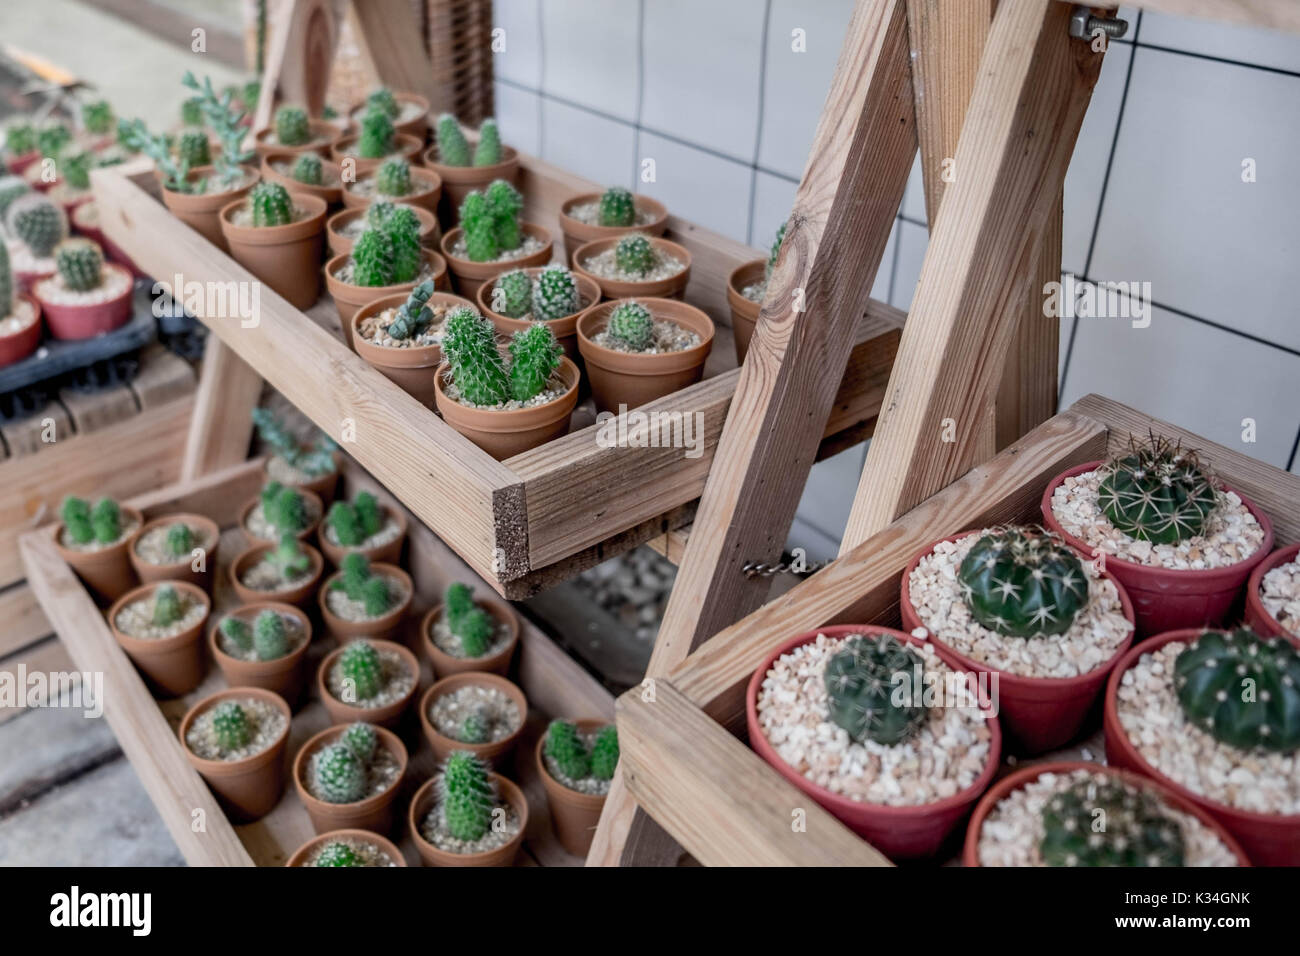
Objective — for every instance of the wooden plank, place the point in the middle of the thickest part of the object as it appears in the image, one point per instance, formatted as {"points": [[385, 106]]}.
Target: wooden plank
{"points": [[26, 436], [24, 621], [390, 37], [222, 426], [303, 37], [48, 656], [163, 377], [94, 409], [221, 495]]}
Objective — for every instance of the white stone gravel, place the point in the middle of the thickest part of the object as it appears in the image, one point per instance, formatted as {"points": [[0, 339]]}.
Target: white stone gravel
{"points": [[342, 605], [267, 722], [22, 260], [605, 265], [327, 179], [374, 329], [294, 632], [136, 617], [448, 712], [114, 281], [129, 526], [382, 772], [152, 545], [449, 643], [498, 835], [406, 111], [1279, 592], [259, 527], [265, 576], [588, 213], [398, 682], [243, 217], [368, 189], [277, 469], [369, 853], [589, 785], [755, 291], [668, 337], [545, 397], [530, 245], [389, 531], [22, 317]]}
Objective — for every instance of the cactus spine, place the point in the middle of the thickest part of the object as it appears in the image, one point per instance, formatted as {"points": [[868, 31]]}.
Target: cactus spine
{"points": [[513, 294], [193, 148], [237, 632], [340, 775], [631, 327], [861, 680], [617, 207], [534, 357], [634, 255], [361, 665], [291, 126], [38, 222], [231, 726], [488, 150], [453, 150], [270, 204], [166, 606], [270, 639], [393, 178], [565, 747], [20, 138], [480, 234], [1023, 582], [469, 345], [377, 135], [555, 294], [362, 739], [307, 169], [179, 541], [80, 264], [467, 798], [383, 100], [1108, 823], [1158, 492]]}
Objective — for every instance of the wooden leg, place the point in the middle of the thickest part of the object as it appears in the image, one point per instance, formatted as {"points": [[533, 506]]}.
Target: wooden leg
{"points": [[222, 424], [303, 37]]}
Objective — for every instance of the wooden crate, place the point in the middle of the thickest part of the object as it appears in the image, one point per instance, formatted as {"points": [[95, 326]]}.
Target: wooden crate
{"points": [[684, 759], [555, 686]]}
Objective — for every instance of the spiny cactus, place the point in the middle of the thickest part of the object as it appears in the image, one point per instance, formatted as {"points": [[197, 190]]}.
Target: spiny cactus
{"points": [[38, 222], [631, 326], [453, 150], [289, 558], [174, 170], [1023, 582], [512, 295], [340, 774], [20, 138], [393, 178], [372, 258], [383, 100], [291, 126], [337, 853], [11, 187], [467, 797], [355, 573], [179, 541], [166, 606], [6, 284], [237, 632], [469, 345], [617, 207], [270, 204], [1108, 823], [354, 523], [403, 229], [312, 460], [361, 665], [231, 726], [634, 254], [193, 148], [75, 169], [80, 263], [565, 747], [604, 753], [369, 514], [284, 507], [377, 135], [363, 740], [307, 169], [192, 111], [106, 521], [474, 729], [480, 231], [1158, 492], [270, 637], [534, 357], [414, 315], [51, 138], [488, 150], [377, 212], [457, 601], [372, 590], [97, 117], [469, 622], [860, 686], [249, 93], [1242, 689], [555, 294], [226, 120], [504, 204], [75, 515], [776, 249]]}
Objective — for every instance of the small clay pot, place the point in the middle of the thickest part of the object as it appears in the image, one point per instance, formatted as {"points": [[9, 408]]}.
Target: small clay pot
{"points": [[331, 177], [578, 233], [16, 346], [388, 553], [287, 258], [498, 751], [284, 675], [304, 852], [71, 322], [209, 536], [1257, 616], [173, 665], [674, 287], [565, 328], [348, 298], [744, 312], [372, 813], [339, 244], [426, 190], [631, 379], [445, 665], [250, 788], [459, 181], [299, 595], [417, 127], [388, 716], [203, 213], [322, 486], [412, 369], [407, 147], [324, 134], [573, 814], [506, 432], [469, 275], [384, 627], [106, 572], [311, 501], [430, 855]]}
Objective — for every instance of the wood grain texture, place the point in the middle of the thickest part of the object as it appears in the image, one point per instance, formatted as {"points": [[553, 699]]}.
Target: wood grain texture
{"points": [[93, 409], [390, 37], [24, 623], [304, 35], [26, 435], [222, 426]]}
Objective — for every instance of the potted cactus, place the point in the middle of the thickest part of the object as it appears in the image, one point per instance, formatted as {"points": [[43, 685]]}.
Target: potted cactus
{"points": [[86, 296], [1273, 595], [313, 467], [1018, 602], [20, 145], [304, 174], [1180, 542], [401, 335], [348, 777], [637, 350], [293, 131], [377, 140], [504, 407], [483, 714], [176, 547], [287, 571], [609, 215], [635, 266], [20, 317], [94, 542], [468, 816], [1215, 717], [344, 228], [549, 294], [279, 238], [465, 167], [397, 181], [52, 139], [279, 510], [73, 186], [369, 680], [263, 645], [850, 715], [36, 225], [99, 124], [364, 598], [464, 633], [576, 761], [746, 287], [160, 626], [347, 848], [490, 238], [408, 112], [363, 526], [235, 739]]}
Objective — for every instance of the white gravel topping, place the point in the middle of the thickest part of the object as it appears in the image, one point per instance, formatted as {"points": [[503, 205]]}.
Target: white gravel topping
{"points": [[588, 213], [277, 469], [530, 245], [556, 388], [265, 575], [259, 527], [328, 180], [605, 265], [374, 329], [243, 217], [668, 337], [499, 712], [152, 545], [398, 682], [22, 317], [589, 785], [136, 617], [294, 633], [114, 282], [129, 526], [266, 720], [755, 291], [348, 266], [505, 825], [22, 260], [449, 643], [387, 532], [382, 772], [368, 188], [369, 853], [339, 603], [1279, 592]]}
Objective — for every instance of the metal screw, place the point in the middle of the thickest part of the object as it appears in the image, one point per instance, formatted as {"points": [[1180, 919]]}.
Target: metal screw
{"points": [[1084, 24]]}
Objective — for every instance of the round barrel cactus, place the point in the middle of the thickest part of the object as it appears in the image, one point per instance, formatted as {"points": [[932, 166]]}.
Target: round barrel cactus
{"points": [[634, 254], [237, 632], [512, 295], [1158, 492], [555, 294], [80, 263], [1023, 582], [271, 205], [467, 797], [1109, 823], [868, 687], [307, 170], [617, 208], [631, 326], [20, 138], [270, 638], [340, 775], [231, 726], [38, 222], [291, 126]]}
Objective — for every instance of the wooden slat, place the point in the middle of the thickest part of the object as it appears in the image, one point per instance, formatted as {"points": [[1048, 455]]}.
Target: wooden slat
{"points": [[24, 623], [222, 426], [25, 436], [92, 410], [163, 377], [303, 37]]}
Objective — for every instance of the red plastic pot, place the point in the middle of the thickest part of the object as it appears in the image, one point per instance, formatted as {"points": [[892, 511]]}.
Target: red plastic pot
{"points": [[1027, 775], [901, 833], [1269, 839], [1261, 622], [16, 346], [86, 321], [1038, 713], [1165, 599]]}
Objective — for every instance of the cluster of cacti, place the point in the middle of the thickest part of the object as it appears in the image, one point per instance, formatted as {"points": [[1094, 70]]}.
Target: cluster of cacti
{"points": [[861, 680], [337, 853], [167, 608], [97, 117], [617, 207], [414, 315], [465, 619], [231, 726], [83, 524], [1242, 689], [314, 460], [51, 138], [179, 541], [361, 667], [453, 148], [193, 149], [1158, 492], [488, 150], [11, 187], [564, 745], [173, 169], [1109, 823], [478, 369], [6, 284], [352, 523], [360, 584], [20, 138], [307, 169], [38, 222], [270, 205], [490, 220], [284, 508], [227, 121], [289, 558], [474, 729], [512, 294], [341, 768], [1023, 582], [80, 263], [634, 254], [292, 127], [388, 252], [192, 111], [267, 638], [383, 100], [466, 797], [378, 138], [393, 178], [555, 294]]}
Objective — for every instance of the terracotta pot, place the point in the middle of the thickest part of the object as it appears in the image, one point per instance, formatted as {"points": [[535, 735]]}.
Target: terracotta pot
{"points": [[173, 665], [339, 244], [1269, 839], [324, 135], [744, 312], [310, 499], [900, 833], [385, 627], [425, 193], [1027, 775], [16, 346], [18, 164], [497, 752], [304, 852], [506, 432], [459, 181], [1038, 714], [674, 287], [331, 176], [418, 127], [430, 855], [1257, 616], [445, 665], [629, 379], [468, 275], [25, 282], [389, 553], [250, 788], [209, 536], [106, 572], [407, 147], [578, 233], [71, 321], [299, 595], [349, 298], [323, 486], [412, 369], [565, 328], [284, 675], [574, 815], [287, 258], [1166, 599], [203, 213], [388, 716], [374, 814]]}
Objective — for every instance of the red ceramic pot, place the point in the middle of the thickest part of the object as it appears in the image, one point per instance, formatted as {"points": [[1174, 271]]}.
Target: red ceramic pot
{"points": [[1261, 622], [67, 321], [16, 346], [901, 833]]}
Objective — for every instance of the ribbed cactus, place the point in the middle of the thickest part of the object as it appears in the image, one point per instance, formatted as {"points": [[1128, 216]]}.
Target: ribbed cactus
{"points": [[488, 150], [534, 357], [75, 515], [383, 100], [340, 775], [414, 315], [604, 753], [292, 127], [467, 798], [361, 666], [6, 284], [1158, 492], [403, 229], [512, 295], [480, 231], [237, 632], [362, 739], [1109, 823], [11, 187], [284, 507], [51, 138], [192, 112], [369, 514], [776, 249], [97, 117], [555, 294], [469, 345], [372, 258], [861, 680], [270, 204], [179, 541], [617, 207], [307, 169], [75, 169], [270, 637], [1023, 582], [106, 521], [80, 264], [38, 222], [354, 523], [337, 854], [1242, 689], [289, 558], [166, 606], [231, 726], [393, 178], [453, 149], [360, 584], [565, 747], [504, 204], [20, 138], [377, 136], [634, 254], [474, 729], [193, 148], [631, 327]]}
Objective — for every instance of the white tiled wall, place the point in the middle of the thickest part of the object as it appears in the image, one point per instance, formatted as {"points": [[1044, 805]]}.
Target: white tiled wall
{"points": [[714, 92]]}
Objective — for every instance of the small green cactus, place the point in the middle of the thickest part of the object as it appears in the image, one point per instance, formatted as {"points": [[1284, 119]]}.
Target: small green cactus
{"points": [[480, 230], [474, 729], [861, 680], [106, 520], [237, 632], [377, 597], [535, 356], [360, 584], [363, 740], [340, 775], [51, 138], [393, 178], [231, 726], [372, 258], [403, 229], [312, 460], [75, 515], [369, 514], [361, 666], [467, 798], [488, 150], [469, 345], [307, 169], [555, 294], [193, 148], [512, 295], [289, 558], [270, 637], [414, 315], [20, 138], [378, 138], [355, 573], [11, 187], [457, 601], [75, 170], [342, 520], [337, 854], [776, 249], [604, 753], [271, 205], [292, 127], [617, 207], [180, 541], [565, 747], [192, 111], [453, 150], [1109, 823], [634, 254], [38, 222], [504, 204], [1023, 582], [284, 508], [475, 629], [631, 327], [166, 606], [97, 117], [383, 100], [1158, 492], [377, 212], [80, 264]]}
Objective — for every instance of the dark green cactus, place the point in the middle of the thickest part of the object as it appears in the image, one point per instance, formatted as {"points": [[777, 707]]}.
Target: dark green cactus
{"points": [[634, 254], [166, 606], [414, 315], [75, 515], [270, 637], [289, 558], [1158, 492], [457, 601], [393, 178], [361, 666], [372, 258], [97, 117], [378, 138], [312, 460], [512, 295], [20, 138], [292, 128], [469, 345], [604, 753], [535, 356], [631, 327], [192, 111], [555, 294], [474, 729], [337, 854], [237, 632], [504, 204], [11, 187], [38, 222], [1108, 823], [403, 228], [363, 740], [193, 148], [271, 205], [340, 775], [377, 597], [861, 680], [480, 230], [488, 150], [75, 169], [617, 207], [51, 138], [1023, 582], [453, 150], [80, 263], [1242, 689], [467, 798], [285, 508], [565, 747], [369, 514], [307, 169], [776, 250], [231, 726], [355, 573], [383, 100], [106, 520], [342, 519], [180, 541]]}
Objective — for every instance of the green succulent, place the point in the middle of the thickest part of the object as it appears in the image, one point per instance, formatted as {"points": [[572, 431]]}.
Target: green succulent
{"points": [[284, 508], [604, 753], [861, 680], [174, 170], [51, 138], [361, 665], [467, 797], [1105, 822], [555, 294], [393, 178], [362, 739], [383, 100], [504, 204], [76, 169], [469, 345], [193, 148], [634, 254], [1158, 492], [97, 117], [180, 541], [166, 606], [271, 205], [403, 229], [1023, 582], [38, 222], [480, 230], [270, 636], [617, 207], [340, 775], [192, 111], [226, 120], [312, 460], [631, 327], [453, 149], [337, 854], [292, 128], [106, 521], [378, 138], [355, 522], [414, 315], [80, 264], [776, 250], [535, 356], [369, 514], [372, 258], [307, 169], [565, 747], [488, 150], [20, 138], [231, 726], [512, 294], [237, 632], [289, 558]]}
